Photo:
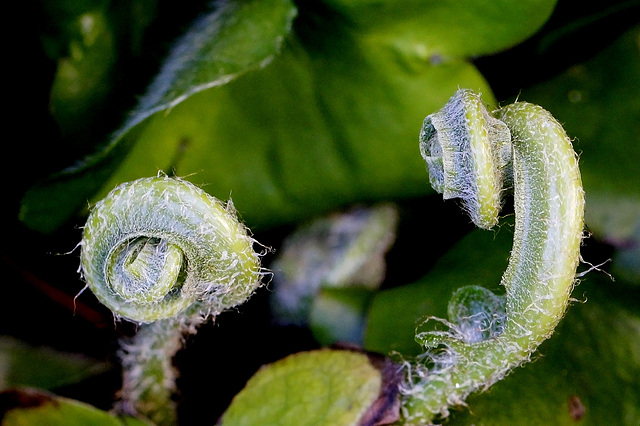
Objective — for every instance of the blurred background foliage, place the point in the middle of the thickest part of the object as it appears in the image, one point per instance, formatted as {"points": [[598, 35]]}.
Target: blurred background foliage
{"points": [[320, 111]]}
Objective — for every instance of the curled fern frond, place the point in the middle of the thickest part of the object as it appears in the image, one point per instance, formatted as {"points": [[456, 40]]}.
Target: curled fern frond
{"points": [[488, 335]]}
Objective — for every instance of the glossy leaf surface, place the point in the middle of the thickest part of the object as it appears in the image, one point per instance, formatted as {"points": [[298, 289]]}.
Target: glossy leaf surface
{"points": [[448, 28], [327, 122]]}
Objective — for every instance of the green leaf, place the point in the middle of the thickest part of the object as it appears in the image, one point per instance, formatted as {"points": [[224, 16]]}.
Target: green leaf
{"points": [[31, 407], [23, 365], [236, 37], [322, 387], [448, 28]]}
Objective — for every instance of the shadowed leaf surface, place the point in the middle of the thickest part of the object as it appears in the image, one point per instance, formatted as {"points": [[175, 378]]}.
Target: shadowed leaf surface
{"points": [[26, 407], [24, 365]]}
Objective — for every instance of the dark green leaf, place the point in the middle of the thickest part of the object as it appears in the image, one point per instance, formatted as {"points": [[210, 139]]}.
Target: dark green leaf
{"points": [[448, 28]]}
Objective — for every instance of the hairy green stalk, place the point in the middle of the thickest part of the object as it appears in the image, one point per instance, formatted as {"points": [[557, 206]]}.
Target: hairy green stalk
{"points": [[148, 374], [489, 335], [162, 253]]}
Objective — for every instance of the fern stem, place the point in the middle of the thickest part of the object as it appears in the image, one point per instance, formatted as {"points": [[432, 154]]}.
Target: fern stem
{"points": [[549, 205]]}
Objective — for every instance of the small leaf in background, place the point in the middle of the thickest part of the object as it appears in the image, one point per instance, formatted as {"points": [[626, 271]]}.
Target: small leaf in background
{"points": [[340, 250], [80, 38], [30, 407], [85, 76], [323, 387], [22, 365]]}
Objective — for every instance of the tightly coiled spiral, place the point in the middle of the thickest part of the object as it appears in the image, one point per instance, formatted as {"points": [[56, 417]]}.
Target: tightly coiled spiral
{"points": [[161, 247]]}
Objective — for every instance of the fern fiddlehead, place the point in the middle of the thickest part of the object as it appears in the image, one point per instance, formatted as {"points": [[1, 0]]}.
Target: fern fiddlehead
{"points": [[162, 253], [488, 335]]}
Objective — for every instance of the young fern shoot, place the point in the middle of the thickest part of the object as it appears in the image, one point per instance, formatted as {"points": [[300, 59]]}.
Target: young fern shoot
{"points": [[470, 154], [164, 254]]}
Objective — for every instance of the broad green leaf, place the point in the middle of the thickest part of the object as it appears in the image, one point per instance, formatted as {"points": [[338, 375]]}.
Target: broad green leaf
{"points": [[323, 387], [447, 28], [31, 407], [23, 365], [329, 121], [236, 37], [598, 103]]}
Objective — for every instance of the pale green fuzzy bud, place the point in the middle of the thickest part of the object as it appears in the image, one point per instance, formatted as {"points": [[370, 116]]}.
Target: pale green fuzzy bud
{"points": [[161, 247], [163, 253]]}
